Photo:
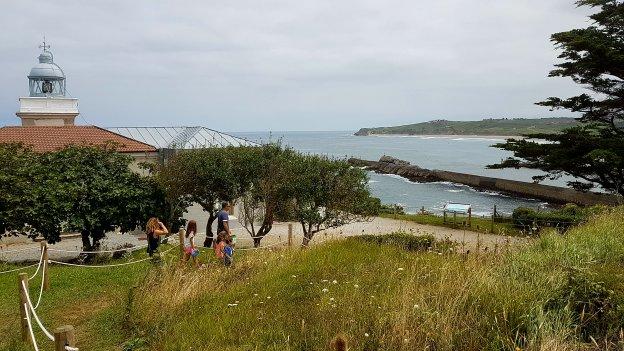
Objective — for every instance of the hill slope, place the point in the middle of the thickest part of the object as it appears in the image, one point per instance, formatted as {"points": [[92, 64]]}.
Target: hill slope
{"points": [[553, 294], [504, 127]]}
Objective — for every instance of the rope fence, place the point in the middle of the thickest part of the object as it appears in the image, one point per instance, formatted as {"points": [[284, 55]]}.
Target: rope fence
{"points": [[63, 337]]}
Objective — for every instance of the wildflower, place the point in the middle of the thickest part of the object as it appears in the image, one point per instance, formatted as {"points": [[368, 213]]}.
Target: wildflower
{"points": [[325, 290], [268, 297], [356, 286], [324, 281], [331, 299], [416, 306], [232, 304], [400, 269], [255, 294], [293, 276], [334, 306], [335, 281], [366, 335]]}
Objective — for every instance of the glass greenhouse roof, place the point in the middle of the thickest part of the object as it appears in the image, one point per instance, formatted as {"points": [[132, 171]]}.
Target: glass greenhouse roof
{"points": [[181, 137]]}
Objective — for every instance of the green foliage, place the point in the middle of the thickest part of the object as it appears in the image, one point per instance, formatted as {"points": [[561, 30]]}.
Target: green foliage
{"points": [[327, 193], [272, 183], [502, 126], [79, 188], [391, 209], [593, 151], [405, 241], [563, 218], [205, 176]]}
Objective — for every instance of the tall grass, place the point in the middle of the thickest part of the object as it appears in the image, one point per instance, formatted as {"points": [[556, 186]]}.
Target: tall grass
{"points": [[559, 293]]}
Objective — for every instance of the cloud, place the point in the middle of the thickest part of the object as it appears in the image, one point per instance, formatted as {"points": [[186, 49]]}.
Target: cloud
{"points": [[285, 65]]}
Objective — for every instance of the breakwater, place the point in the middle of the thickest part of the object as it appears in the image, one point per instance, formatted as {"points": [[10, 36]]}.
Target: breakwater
{"points": [[553, 194]]}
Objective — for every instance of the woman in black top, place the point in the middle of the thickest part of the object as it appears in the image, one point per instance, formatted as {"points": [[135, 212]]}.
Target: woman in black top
{"points": [[155, 229]]}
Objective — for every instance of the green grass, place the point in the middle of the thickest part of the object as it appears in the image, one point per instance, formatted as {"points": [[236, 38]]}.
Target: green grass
{"points": [[481, 225], [556, 293]]}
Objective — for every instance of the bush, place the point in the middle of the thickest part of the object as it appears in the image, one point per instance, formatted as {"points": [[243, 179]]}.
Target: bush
{"points": [[391, 209], [565, 217], [403, 240]]}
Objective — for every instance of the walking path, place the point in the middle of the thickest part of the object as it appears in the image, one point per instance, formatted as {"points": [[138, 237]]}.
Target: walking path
{"points": [[29, 251]]}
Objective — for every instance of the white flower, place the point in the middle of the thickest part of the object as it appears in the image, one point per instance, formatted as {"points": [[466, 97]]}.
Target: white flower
{"points": [[268, 297], [293, 276], [416, 306], [366, 335], [325, 290], [232, 304], [335, 282], [356, 286], [400, 269], [255, 294], [324, 280], [331, 299]]}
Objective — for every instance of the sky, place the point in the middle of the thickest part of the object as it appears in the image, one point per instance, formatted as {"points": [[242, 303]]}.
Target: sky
{"points": [[290, 65]]}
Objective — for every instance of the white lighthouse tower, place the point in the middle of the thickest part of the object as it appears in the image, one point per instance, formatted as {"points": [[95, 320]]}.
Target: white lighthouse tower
{"points": [[47, 105]]}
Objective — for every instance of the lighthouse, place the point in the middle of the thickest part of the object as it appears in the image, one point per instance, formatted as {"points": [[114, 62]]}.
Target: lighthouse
{"points": [[47, 104]]}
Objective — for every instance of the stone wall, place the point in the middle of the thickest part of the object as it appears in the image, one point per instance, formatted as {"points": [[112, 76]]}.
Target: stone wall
{"points": [[554, 194]]}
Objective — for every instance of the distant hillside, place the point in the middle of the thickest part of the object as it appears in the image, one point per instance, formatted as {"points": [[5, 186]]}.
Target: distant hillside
{"points": [[503, 127]]}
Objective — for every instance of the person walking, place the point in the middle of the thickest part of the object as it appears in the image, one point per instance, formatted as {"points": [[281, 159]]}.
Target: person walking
{"points": [[190, 251], [223, 225], [223, 219], [154, 230]]}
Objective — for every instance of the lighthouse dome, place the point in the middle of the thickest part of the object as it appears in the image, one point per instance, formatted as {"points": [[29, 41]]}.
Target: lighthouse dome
{"points": [[46, 68]]}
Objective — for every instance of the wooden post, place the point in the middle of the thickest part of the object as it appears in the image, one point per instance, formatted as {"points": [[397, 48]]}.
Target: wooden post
{"points": [[290, 234], [23, 277], [493, 217], [64, 336], [46, 276], [181, 234]]}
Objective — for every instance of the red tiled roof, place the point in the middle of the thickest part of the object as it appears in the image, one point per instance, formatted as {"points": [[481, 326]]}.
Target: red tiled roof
{"points": [[50, 138]]}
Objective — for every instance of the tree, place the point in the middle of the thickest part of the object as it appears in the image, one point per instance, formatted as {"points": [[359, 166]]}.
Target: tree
{"points": [[593, 152], [266, 195], [79, 188], [100, 192], [328, 193], [205, 176], [26, 205]]}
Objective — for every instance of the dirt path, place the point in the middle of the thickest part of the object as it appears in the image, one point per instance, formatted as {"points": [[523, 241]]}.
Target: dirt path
{"points": [[279, 235]]}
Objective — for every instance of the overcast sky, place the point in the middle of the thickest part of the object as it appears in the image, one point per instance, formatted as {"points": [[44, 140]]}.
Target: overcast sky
{"points": [[290, 65]]}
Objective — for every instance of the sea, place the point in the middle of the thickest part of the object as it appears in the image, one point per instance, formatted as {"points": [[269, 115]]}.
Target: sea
{"points": [[467, 154]]}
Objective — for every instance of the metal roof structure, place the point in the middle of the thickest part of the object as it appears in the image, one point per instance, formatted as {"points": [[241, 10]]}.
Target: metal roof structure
{"points": [[181, 138]]}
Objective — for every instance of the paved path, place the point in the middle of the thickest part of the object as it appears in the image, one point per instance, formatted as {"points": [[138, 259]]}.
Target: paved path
{"points": [[467, 239]]}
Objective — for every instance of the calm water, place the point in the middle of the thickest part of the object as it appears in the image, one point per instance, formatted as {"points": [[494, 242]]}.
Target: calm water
{"points": [[461, 154]]}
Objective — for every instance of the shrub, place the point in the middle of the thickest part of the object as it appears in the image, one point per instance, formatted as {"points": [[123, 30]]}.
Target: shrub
{"points": [[403, 240], [391, 209]]}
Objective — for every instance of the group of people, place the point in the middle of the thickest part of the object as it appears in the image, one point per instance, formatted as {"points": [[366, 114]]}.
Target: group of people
{"points": [[223, 245]]}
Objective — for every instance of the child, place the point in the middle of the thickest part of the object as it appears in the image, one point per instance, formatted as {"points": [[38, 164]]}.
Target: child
{"points": [[189, 243], [220, 245], [228, 252]]}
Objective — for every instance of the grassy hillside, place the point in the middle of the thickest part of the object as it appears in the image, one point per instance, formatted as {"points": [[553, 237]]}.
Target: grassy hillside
{"points": [[557, 293], [510, 127]]}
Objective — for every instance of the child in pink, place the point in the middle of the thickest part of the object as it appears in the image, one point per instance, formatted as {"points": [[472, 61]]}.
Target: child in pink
{"points": [[220, 245]]}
